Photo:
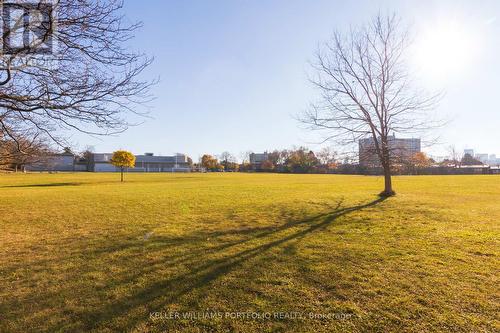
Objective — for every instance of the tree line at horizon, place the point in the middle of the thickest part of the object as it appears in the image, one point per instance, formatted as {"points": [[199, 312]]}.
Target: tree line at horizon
{"points": [[326, 160], [294, 160]]}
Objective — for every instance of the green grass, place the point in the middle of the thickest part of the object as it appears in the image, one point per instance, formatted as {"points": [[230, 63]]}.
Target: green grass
{"points": [[83, 252]]}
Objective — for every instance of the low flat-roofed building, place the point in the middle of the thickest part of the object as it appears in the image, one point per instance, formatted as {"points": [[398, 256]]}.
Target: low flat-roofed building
{"points": [[150, 163], [101, 162], [55, 162]]}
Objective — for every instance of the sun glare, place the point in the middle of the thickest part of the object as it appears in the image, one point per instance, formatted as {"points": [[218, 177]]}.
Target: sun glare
{"points": [[444, 50]]}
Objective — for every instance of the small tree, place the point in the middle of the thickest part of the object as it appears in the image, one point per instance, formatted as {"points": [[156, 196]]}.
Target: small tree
{"points": [[267, 165], [327, 156], [245, 166], [455, 156], [123, 159], [87, 156], [301, 160], [420, 160], [209, 162]]}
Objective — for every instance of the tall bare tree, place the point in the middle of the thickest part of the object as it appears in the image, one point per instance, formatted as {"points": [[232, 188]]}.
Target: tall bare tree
{"points": [[366, 90], [71, 70]]}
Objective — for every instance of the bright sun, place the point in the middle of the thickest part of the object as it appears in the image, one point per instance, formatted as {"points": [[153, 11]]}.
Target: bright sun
{"points": [[444, 50]]}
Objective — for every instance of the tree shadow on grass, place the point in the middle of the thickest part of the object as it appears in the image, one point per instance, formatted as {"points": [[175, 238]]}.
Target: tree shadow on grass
{"points": [[43, 185], [203, 272], [191, 265]]}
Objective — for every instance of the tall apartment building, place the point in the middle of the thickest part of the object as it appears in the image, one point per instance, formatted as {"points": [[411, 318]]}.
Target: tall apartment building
{"points": [[488, 159], [256, 159], [400, 149], [482, 157]]}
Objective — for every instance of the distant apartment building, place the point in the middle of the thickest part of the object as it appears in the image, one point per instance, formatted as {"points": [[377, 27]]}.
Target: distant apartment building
{"points": [[256, 159], [101, 162], [483, 158], [488, 159], [469, 152], [400, 149], [494, 160]]}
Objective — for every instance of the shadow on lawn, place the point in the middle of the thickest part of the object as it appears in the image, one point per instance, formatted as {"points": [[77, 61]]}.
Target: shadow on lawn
{"points": [[43, 185], [203, 272], [190, 265]]}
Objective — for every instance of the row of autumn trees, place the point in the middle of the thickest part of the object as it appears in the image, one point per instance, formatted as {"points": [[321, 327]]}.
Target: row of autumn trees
{"points": [[299, 160]]}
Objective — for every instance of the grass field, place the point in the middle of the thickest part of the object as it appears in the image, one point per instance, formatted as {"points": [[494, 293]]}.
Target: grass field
{"points": [[83, 252]]}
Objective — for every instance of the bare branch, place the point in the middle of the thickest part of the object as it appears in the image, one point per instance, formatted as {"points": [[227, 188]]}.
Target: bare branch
{"points": [[87, 83]]}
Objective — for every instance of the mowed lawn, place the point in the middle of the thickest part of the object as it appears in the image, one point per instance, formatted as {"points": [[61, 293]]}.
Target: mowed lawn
{"points": [[82, 252]]}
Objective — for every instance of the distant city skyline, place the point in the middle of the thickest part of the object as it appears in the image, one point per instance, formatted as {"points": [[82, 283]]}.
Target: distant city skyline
{"points": [[233, 74]]}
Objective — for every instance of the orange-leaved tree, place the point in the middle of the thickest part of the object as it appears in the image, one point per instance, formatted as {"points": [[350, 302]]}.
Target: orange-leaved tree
{"points": [[209, 162], [420, 160], [123, 159]]}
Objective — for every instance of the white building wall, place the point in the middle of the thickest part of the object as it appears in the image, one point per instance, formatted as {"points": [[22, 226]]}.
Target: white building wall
{"points": [[105, 167]]}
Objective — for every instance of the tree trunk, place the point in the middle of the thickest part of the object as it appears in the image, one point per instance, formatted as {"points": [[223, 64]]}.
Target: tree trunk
{"points": [[388, 191], [121, 174]]}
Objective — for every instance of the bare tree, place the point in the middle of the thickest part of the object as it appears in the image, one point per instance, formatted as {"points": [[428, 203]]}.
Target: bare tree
{"points": [[76, 74], [245, 156], [16, 154], [366, 90], [455, 155], [228, 161], [327, 155], [226, 157], [86, 155]]}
